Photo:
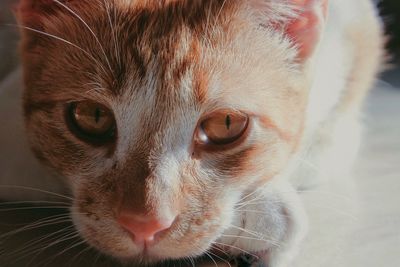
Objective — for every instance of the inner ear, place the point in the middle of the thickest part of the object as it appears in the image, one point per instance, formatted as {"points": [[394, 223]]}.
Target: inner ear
{"points": [[306, 29], [301, 20]]}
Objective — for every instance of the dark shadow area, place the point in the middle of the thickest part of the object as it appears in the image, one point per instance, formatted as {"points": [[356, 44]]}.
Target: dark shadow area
{"points": [[390, 11], [42, 235], [8, 38]]}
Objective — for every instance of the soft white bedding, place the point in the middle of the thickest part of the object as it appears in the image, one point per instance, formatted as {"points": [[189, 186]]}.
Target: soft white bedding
{"points": [[376, 242]]}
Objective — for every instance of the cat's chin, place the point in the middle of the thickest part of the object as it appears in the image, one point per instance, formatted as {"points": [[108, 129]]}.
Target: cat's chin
{"points": [[143, 255], [146, 257], [120, 245]]}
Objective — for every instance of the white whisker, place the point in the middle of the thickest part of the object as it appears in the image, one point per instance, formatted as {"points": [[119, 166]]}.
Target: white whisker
{"points": [[90, 29], [252, 202], [38, 224], [113, 32], [33, 202], [29, 245], [260, 212], [219, 13], [36, 190], [220, 258], [54, 37], [246, 231], [208, 18], [250, 194], [33, 208], [274, 243], [65, 238], [216, 265], [219, 249], [234, 247], [24, 253], [76, 257]]}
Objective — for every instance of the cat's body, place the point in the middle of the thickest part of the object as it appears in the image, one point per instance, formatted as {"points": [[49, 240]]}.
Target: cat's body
{"points": [[304, 134]]}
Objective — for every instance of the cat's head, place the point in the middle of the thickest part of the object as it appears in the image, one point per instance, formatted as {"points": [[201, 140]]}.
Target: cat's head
{"points": [[161, 115]]}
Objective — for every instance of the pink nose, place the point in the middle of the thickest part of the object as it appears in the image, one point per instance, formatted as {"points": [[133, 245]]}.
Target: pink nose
{"points": [[143, 228]]}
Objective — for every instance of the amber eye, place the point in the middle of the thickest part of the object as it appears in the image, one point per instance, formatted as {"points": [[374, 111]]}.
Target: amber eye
{"points": [[91, 120], [223, 128]]}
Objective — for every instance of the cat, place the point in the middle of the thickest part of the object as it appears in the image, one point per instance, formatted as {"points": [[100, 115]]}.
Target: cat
{"points": [[185, 127]]}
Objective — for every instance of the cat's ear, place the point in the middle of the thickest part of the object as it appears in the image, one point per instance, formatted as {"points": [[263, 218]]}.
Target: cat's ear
{"points": [[301, 20]]}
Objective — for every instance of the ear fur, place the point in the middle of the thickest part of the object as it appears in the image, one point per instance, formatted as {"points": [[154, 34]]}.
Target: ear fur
{"points": [[301, 20]]}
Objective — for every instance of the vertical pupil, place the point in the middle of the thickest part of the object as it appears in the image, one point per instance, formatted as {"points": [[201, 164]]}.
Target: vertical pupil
{"points": [[97, 115], [228, 122]]}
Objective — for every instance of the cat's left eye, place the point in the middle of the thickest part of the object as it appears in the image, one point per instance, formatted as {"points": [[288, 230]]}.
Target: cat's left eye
{"points": [[222, 128], [91, 121]]}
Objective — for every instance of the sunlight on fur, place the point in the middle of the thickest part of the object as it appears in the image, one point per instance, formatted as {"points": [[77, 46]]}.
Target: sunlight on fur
{"points": [[182, 129]]}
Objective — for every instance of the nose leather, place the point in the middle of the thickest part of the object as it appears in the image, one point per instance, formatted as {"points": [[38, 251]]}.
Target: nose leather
{"points": [[143, 228]]}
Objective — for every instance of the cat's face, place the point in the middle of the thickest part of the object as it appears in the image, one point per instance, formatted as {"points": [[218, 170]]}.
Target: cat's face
{"points": [[159, 114]]}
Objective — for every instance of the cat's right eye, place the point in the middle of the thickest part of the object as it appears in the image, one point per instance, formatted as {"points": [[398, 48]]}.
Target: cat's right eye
{"points": [[91, 121]]}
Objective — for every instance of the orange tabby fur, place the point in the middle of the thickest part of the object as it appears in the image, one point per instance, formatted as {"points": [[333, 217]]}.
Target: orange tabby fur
{"points": [[160, 66]]}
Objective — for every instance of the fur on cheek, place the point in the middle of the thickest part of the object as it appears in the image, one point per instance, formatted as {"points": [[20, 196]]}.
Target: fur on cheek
{"points": [[97, 233]]}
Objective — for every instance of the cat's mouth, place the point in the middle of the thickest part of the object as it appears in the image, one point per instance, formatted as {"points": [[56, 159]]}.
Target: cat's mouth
{"points": [[146, 248], [147, 253], [111, 239]]}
